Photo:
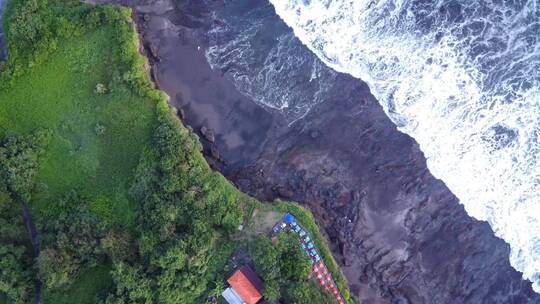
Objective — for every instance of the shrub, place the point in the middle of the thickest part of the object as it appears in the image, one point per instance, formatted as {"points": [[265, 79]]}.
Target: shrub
{"points": [[185, 212], [19, 160], [100, 89], [267, 263], [16, 272], [99, 129], [72, 241]]}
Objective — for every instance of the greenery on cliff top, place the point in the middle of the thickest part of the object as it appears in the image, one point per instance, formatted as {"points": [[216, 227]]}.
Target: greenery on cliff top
{"points": [[284, 268], [96, 138], [127, 207]]}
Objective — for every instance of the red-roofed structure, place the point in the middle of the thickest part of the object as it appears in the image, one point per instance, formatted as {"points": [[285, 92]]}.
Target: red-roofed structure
{"points": [[247, 285]]}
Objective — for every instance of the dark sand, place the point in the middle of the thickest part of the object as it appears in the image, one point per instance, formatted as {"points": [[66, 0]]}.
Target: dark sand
{"points": [[399, 234], [205, 96]]}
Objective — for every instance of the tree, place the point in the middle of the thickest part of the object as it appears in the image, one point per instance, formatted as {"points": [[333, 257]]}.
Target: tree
{"points": [[17, 277], [57, 268], [118, 245], [185, 210], [19, 161], [294, 264], [267, 263], [305, 292], [285, 270], [132, 285], [18, 166], [100, 89], [72, 239]]}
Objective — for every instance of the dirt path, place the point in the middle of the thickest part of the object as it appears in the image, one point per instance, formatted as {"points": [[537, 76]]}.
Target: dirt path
{"points": [[33, 234], [2, 42], [263, 221]]}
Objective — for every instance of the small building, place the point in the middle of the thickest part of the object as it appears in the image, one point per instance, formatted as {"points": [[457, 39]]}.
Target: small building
{"points": [[245, 287]]}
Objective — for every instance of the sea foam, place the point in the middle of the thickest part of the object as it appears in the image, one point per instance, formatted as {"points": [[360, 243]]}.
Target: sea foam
{"points": [[462, 78], [266, 62]]}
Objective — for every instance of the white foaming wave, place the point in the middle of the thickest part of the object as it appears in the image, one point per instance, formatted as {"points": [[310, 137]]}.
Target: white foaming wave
{"points": [[473, 107], [270, 76]]}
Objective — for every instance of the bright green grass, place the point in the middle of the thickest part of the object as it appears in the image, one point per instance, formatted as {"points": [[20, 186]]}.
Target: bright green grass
{"points": [[86, 290], [59, 95]]}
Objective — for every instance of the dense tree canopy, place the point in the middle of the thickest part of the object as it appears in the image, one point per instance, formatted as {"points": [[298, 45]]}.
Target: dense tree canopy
{"points": [[186, 213], [18, 165], [17, 278], [72, 237], [19, 161], [285, 269]]}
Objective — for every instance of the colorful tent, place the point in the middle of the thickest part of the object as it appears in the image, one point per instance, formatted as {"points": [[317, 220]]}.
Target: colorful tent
{"points": [[288, 218]]}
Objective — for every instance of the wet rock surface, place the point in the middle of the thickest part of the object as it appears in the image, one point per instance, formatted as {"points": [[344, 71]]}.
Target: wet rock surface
{"points": [[399, 234], [208, 134]]}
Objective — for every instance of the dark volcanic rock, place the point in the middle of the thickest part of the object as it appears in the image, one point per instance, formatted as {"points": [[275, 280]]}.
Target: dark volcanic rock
{"points": [[285, 192], [400, 235], [214, 153], [208, 134]]}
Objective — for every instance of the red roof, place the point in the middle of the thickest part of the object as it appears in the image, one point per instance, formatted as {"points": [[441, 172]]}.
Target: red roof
{"points": [[246, 283]]}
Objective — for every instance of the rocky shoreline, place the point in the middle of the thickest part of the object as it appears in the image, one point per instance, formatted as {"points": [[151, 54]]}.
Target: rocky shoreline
{"points": [[399, 234]]}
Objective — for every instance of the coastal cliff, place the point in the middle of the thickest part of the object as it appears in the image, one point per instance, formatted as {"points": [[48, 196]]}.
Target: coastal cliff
{"points": [[119, 204], [400, 235]]}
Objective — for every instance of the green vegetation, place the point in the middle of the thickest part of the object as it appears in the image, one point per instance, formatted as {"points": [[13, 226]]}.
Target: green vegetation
{"points": [[257, 214], [72, 239], [285, 269], [127, 207], [18, 165], [58, 94], [17, 278], [59, 51], [19, 161], [187, 211], [306, 219], [89, 288]]}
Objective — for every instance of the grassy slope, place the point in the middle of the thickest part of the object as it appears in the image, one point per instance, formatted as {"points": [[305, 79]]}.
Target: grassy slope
{"points": [[59, 95]]}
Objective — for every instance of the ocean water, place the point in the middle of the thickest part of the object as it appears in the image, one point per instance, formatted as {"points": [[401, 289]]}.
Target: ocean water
{"points": [[265, 60], [461, 77]]}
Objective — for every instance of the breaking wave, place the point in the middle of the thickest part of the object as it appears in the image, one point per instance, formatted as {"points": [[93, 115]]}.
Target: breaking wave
{"points": [[462, 78], [266, 61]]}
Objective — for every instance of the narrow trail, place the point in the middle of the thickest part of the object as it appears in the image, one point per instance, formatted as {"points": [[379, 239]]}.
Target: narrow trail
{"points": [[33, 234], [3, 51]]}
